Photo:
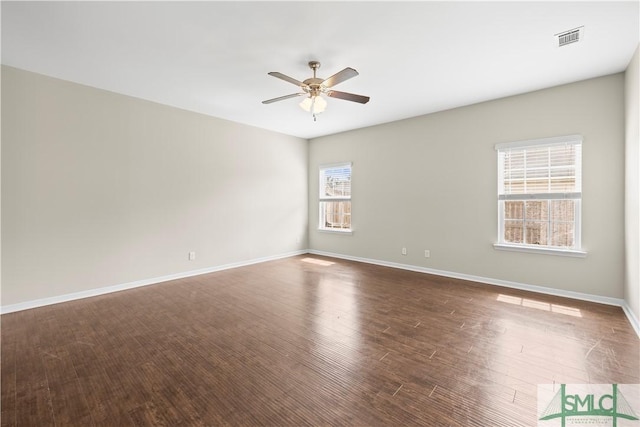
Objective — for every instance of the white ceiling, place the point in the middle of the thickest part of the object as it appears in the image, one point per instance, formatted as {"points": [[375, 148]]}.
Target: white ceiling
{"points": [[414, 57]]}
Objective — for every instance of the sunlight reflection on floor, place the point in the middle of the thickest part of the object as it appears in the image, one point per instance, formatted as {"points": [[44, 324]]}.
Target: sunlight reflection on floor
{"points": [[540, 305], [317, 261]]}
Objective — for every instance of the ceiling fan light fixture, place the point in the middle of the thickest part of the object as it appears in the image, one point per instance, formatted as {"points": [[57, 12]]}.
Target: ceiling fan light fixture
{"points": [[306, 104], [314, 104]]}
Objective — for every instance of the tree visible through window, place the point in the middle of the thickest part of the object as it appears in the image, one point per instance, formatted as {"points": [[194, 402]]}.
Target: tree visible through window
{"points": [[335, 197], [539, 192]]}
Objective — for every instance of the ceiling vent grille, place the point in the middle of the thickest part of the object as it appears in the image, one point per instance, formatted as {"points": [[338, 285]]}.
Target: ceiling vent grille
{"points": [[571, 36]]}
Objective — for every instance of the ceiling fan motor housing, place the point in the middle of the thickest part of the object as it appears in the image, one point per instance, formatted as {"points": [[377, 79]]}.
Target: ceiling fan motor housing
{"points": [[314, 86]]}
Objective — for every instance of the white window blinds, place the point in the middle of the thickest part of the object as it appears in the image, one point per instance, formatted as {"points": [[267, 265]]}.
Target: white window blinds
{"points": [[335, 182], [542, 169]]}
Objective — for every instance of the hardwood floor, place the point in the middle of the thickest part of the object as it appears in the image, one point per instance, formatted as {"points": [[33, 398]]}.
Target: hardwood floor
{"points": [[306, 340]]}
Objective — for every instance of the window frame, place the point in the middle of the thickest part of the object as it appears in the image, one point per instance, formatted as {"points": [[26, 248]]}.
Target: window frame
{"points": [[322, 199], [576, 250]]}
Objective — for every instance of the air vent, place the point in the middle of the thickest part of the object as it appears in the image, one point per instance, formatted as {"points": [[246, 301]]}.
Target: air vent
{"points": [[571, 36]]}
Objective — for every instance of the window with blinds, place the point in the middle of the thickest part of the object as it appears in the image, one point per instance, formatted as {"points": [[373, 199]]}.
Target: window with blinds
{"points": [[539, 193], [335, 197]]}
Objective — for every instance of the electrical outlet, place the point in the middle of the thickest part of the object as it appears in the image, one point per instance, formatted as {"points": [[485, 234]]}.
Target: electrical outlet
{"points": [[427, 253], [404, 251], [192, 256]]}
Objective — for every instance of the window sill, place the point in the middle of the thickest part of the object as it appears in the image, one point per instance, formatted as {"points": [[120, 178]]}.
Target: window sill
{"points": [[336, 231], [547, 251]]}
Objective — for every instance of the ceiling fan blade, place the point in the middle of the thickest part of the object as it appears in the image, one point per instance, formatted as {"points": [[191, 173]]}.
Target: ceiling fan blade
{"points": [[340, 76], [282, 98], [348, 96], [287, 78]]}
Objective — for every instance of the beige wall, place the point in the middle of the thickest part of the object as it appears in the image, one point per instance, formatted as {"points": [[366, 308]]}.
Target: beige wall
{"points": [[430, 183], [100, 189], [632, 186]]}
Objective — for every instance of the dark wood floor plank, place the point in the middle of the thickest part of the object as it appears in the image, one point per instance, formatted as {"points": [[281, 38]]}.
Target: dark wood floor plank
{"points": [[34, 408], [69, 404], [8, 383], [306, 340]]}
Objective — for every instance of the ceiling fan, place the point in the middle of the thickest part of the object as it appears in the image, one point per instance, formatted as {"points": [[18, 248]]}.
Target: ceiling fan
{"points": [[314, 87]]}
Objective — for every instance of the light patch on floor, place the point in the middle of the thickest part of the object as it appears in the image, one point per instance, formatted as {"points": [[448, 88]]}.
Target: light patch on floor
{"points": [[539, 305], [317, 261]]}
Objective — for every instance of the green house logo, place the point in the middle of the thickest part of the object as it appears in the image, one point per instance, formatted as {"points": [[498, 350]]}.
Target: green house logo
{"points": [[589, 404]]}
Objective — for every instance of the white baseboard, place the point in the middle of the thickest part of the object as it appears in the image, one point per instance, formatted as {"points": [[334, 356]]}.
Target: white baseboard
{"points": [[507, 284], [632, 317], [115, 288]]}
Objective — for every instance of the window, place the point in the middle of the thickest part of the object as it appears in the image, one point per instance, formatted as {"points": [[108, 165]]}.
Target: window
{"points": [[539, 195], [335, 197]]}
